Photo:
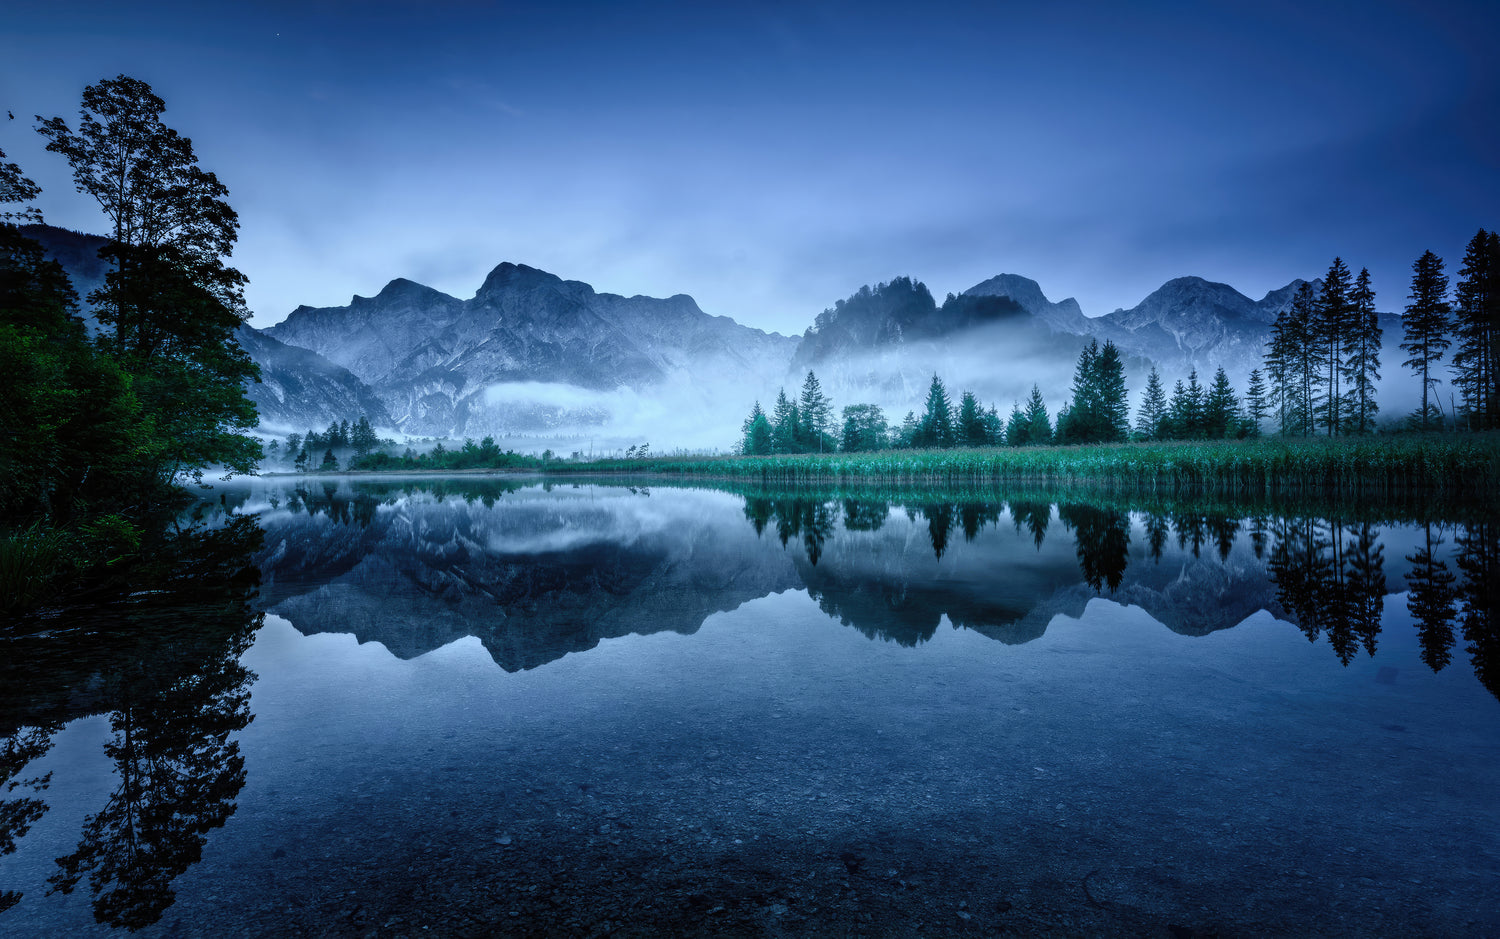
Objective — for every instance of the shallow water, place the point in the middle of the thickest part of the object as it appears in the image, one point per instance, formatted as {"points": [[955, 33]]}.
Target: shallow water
{"points": [[481, 707]]}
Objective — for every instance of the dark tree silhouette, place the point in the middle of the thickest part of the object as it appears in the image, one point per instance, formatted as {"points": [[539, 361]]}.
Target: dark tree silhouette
{"points": [[1476, 361], [1426, 327], [1332, 320], [1362, 365], [1431, 599]]}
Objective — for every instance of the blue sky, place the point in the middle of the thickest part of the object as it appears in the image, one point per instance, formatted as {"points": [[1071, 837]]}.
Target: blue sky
{"points": [[769, 158]]}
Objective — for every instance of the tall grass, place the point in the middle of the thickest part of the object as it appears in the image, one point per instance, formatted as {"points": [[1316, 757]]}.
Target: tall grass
{"points": [[1453, 466]]}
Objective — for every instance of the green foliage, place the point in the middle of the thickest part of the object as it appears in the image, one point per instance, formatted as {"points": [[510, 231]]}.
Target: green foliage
{"points": [[1153, 409], [1432, 466], [814, 415], [1098, 410], [864, 428], [757, 437], [935, 429]]}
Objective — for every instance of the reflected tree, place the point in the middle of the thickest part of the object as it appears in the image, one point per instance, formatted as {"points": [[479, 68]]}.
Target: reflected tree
{"points": [[1479, 559], [1103, 539], [1365, 556], [18, 812], [1033, 517], [974, 516], [865, 514], [941, 519], [1157, 529], [175, 702], [1431, 599]]}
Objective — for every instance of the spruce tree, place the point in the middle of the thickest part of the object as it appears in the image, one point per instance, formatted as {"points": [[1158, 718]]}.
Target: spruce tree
{"points": [[1038, 423], [784, 424], [936, 429], [1331, 328], [756, 435], [1477, 324], [1148, 420], [1173, 424], [906, 435], [815, 413], [1362, 366], [994, 428], [1426, 325], [1017, 430], [1113, 404], [1221, 408], [1255, 403], [971, 427]]}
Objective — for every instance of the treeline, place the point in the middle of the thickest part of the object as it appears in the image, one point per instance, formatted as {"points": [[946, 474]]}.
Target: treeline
{"points": [[1324, 355], [356, 446], [1321, 366], [96, 430], [1097, 412]]}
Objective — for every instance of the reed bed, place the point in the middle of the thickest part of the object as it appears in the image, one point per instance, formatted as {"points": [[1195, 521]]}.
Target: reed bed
{"points": [[1450, 465]]}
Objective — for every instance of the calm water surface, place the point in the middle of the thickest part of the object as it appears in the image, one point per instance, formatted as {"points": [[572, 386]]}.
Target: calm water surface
{"points": [[474, 707]]}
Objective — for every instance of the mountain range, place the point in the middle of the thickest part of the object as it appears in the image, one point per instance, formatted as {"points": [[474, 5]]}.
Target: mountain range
{"points": [[538, 358]]}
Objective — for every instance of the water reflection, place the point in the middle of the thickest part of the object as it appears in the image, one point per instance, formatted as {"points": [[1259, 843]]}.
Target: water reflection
{"points": [[536, 573], [164, 665]]}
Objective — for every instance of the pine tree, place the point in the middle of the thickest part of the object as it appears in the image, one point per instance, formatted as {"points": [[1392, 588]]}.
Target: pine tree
{"points": [[1038, 423], [1221, 408], [363, 438], [756, 435], [936, 429], [971, 429], [784, 424], [906, 435], [1291, 363], [1362, 366], [1255, 403], [994, 428], [1426, 325], [1017, 430], [1148, 420], [816, 413], [1187, 409], [1114, 408], [1477, 322], [1331, 329]]}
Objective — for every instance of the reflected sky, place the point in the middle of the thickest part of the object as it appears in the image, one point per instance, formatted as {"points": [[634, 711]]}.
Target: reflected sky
{"points": [[764, 711]]}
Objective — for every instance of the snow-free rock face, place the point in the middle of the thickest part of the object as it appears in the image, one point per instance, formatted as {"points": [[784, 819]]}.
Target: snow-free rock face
{"points": [[449, 366], [1065, 316]]}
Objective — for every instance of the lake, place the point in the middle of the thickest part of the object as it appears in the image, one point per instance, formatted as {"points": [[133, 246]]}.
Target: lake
{"points": [[475, 706]]}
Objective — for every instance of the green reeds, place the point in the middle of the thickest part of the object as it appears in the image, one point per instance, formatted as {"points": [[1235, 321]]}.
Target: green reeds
{"points": [[1449, 465]]}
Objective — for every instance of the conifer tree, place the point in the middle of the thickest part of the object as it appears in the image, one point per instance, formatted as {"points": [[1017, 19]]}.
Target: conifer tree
{"points": [[1362, 367], [1114, 407], [971, 428], [757, 437], [1187, 409], [784, 424], [1017, 430], [1255, 403], [1148, 419], [994, 428], [1331, 328], [864, 428], [1426, 326], [1477, 316], [936, 429], [815, 412], [906, 435], [1221, 408], [1038, 423]]}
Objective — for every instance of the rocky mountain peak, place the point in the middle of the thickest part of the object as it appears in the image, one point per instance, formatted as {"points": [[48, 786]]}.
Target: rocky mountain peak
{"points": [[508, 276]]}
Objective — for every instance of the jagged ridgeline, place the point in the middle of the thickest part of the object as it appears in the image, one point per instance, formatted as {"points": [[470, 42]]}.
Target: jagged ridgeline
{"points": [[553, 363]]}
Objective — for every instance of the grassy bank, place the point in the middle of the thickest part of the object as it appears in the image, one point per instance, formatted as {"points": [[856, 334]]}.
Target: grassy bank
{"points": [[1452, 466]]}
